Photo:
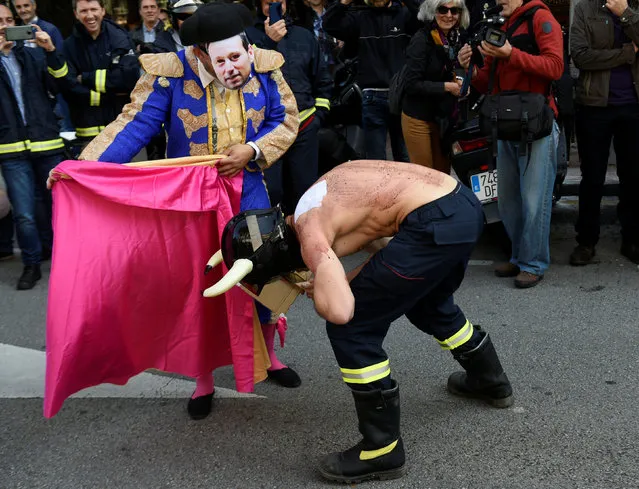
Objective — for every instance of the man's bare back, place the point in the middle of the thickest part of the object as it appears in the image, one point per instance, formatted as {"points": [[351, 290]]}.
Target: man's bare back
{"points": [[361, 201], [345, 211]]}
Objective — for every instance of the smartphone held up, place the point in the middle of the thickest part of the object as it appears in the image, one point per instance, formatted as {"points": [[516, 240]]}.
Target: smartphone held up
{"points": [[20, 33], [274, 12]]}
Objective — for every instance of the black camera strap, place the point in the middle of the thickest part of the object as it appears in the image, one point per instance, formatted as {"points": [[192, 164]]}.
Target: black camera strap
{"points": [[525, 17]]}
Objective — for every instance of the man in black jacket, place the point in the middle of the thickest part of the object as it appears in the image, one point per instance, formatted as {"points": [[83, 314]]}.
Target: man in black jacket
{"points": [[30, 145], [153, 35], [382, 31], [103, 69], [307, 74]]}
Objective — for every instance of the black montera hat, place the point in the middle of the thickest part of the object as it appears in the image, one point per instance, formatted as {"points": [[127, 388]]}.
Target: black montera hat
{"points": [[215, 22]]}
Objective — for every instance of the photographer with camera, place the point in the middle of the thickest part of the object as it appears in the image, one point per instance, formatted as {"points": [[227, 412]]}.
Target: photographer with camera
{"points": [[521, 59], [431, 86]]}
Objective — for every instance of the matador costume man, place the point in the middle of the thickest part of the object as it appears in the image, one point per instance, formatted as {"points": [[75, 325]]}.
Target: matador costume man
{"points": [[218, 96]]}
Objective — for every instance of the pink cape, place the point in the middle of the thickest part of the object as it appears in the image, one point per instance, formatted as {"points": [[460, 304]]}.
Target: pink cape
{"points": [[130, 247]]}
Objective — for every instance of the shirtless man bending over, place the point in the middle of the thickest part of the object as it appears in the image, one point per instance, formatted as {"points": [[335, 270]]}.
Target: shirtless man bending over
{"points": [[435, 223]]}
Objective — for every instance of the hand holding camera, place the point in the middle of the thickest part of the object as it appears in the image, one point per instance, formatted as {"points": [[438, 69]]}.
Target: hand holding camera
{"points": [[488, 49]]}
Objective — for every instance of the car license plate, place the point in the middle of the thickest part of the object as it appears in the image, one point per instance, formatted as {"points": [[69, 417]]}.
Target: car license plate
{"points": [[484, 185]]}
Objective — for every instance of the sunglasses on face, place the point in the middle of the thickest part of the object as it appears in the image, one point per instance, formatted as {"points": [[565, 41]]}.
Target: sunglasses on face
{"points": [[443, 10]]}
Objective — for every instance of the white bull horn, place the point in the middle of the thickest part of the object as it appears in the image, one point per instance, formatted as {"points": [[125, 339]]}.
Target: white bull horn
{"points": [[215, 260], [240, 269]]}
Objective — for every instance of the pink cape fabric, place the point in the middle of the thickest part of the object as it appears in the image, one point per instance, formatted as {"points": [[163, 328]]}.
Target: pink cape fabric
{"points": [[130, 249]]}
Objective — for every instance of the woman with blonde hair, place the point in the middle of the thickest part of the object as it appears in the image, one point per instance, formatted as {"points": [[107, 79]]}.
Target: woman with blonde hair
{"points": [[431, 87]]}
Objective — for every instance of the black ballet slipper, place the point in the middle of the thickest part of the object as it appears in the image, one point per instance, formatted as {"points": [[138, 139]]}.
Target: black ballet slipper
{"points": [[286, 377], [200, 407]]}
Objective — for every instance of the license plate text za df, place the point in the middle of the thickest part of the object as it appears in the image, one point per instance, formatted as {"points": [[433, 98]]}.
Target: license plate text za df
{"points": [[484, 185]]}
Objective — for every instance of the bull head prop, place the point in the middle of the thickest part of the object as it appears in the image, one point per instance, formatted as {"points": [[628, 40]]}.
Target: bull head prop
{"points": [[257, 247]]}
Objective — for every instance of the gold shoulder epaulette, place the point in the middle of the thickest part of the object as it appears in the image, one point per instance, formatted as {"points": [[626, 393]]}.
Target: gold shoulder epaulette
{"points": [[163, 64], [267, 60]]}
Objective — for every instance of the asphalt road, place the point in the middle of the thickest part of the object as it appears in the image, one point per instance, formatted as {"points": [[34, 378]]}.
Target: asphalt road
{"points": [[569, 346]]}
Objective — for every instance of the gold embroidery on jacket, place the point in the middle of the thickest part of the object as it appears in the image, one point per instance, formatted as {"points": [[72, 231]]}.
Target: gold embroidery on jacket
{"points": [[191, 59], [244, 117], [256, 117], [267, 60], [274, 144], [96, 148], [252, 86], [162, 64], [192, 123], [192, 89], [200, 149]]}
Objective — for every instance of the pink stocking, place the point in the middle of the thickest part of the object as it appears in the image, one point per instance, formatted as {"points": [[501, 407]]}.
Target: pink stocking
{"points": [[268, 330], [203, 385]]}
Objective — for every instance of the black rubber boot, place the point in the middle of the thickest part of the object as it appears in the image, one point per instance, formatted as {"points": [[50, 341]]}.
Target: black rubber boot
{"points": [[484, 377], [378, 413]]}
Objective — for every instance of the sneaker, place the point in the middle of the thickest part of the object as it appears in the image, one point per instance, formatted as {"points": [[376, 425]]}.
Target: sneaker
{"points": [[506, 270], [630, 251], [525, 280], [582, 255], [6, 255], [29, 277]]}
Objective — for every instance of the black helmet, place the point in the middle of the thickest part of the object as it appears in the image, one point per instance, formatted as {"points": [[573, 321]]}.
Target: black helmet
{"points": [[257, 246]]}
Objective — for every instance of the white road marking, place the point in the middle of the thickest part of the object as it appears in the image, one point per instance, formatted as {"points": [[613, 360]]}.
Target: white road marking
{"points": [[22, 376]]}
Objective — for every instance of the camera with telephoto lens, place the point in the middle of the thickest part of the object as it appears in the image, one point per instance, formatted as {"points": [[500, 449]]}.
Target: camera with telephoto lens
{"points": [[487, 29]]}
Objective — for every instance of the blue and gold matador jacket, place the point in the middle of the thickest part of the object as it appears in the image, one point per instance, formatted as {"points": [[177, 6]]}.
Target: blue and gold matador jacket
{"points": [[199, 121]]}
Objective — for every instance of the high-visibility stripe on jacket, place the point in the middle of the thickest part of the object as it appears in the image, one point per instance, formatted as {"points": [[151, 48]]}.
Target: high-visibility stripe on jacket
{"points": [[41, 133]]}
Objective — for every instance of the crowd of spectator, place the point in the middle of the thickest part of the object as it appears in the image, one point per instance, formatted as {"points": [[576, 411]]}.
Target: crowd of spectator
{"points": [[80, 84]]}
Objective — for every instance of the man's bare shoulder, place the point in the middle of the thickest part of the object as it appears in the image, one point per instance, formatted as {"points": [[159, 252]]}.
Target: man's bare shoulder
{"points": [[315, 241]]}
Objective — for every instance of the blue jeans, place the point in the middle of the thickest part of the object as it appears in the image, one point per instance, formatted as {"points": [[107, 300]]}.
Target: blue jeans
{"points": [[31, 203], [377, 121], [525, 199]]}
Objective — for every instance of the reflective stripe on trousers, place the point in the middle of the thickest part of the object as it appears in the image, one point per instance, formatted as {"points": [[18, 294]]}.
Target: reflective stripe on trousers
{"points": [[366, 375]]}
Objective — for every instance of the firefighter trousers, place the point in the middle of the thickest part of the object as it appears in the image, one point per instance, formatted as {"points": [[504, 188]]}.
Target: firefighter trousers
{"points": [[415, 275]]}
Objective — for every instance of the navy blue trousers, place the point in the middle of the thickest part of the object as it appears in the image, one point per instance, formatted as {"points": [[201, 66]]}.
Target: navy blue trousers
{"points": [[415, 275], [290, 177]]}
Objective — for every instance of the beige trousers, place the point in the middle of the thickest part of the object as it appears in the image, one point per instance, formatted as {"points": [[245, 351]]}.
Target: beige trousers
{"points": [[424, 144]]}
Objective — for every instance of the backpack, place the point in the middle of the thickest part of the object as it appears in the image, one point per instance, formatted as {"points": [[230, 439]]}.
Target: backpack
{"points": [[396, 90]]}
